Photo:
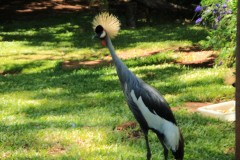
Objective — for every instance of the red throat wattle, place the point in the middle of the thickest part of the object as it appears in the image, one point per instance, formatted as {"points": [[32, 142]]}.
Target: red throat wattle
{"points": [[104, 43]]}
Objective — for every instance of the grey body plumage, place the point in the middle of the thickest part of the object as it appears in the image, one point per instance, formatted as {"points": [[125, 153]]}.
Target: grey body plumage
{"points": [[147, 105], [130, 81]]}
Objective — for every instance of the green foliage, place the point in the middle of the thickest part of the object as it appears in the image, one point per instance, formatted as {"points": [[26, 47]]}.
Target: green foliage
{"points": [[220, 16]]}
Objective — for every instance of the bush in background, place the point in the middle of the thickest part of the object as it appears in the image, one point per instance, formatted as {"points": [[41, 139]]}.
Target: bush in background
{"points": [[221, 18]]}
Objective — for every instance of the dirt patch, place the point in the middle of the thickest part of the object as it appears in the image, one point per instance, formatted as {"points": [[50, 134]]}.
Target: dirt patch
{"points": [[191, 56], [126, 125], [66, 65], [56, 5], [136, 53], [10, 72], [42, 5], [32, 9], [131, 129], [134, 134], [196, 58], [133, 53], [57, 149]]}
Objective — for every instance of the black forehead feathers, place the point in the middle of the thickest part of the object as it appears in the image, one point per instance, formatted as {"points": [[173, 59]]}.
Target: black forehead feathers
{"points": [[99, 29]]}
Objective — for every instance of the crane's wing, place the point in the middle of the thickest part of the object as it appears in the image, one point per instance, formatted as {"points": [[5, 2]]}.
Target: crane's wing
{"points": [[155, 102]]}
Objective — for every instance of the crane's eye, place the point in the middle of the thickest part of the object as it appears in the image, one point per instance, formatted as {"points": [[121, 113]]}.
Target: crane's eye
{"points": [[100, 31]]}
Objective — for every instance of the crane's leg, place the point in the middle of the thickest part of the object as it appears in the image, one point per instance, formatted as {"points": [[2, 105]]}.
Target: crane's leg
{"points": [[165, 150], [147, 145]]}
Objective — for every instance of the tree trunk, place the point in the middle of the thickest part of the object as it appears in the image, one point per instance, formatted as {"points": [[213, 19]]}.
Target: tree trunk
{"points": [[131, 10], [237, 97]]}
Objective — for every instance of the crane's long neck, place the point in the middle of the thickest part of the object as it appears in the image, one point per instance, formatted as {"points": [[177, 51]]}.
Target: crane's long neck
{"points": [[122, 70]]}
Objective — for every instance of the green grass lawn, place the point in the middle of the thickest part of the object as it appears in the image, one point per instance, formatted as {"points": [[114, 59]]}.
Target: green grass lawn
{"points": [[50, 113]]}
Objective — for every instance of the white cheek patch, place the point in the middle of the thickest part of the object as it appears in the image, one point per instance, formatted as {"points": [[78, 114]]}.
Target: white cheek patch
{"points": [[103, 34], [170, 130]]}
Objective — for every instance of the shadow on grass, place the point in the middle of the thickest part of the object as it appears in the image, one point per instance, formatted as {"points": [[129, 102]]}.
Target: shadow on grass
{"points": [[55, 31], [81, 81], [76, 31], [95, 80], [159, 33], [170, 83], [12, 69], [69, 92]]}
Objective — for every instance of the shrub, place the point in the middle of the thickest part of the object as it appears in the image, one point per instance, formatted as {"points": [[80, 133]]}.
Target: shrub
{"points": [[221, 18]]}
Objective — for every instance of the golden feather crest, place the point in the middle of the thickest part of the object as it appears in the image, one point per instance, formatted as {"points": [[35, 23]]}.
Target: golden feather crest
{"points": [[109, 22]]}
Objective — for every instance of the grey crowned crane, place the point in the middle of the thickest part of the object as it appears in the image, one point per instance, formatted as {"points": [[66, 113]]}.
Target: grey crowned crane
{"points": [[147, 105]]}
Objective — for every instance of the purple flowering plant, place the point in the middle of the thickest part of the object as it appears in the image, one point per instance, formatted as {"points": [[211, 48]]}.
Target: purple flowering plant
{"points": [[212, 14], [219, 16], [198, 8], [199, 20]]}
